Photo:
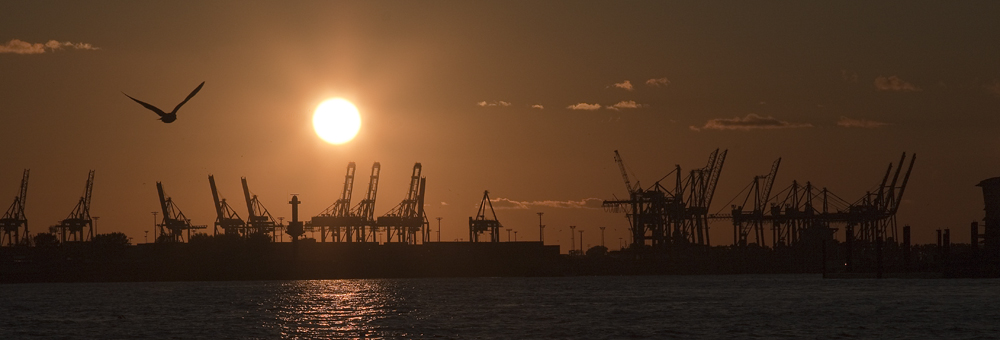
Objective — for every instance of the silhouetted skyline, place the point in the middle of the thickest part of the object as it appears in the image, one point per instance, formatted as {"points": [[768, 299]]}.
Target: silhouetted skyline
{"points": [[527, 100]]}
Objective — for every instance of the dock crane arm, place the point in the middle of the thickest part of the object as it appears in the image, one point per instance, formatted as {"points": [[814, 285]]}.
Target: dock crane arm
{"points": [[770, 182], [713, 178], [902, 187], [621, 167]]}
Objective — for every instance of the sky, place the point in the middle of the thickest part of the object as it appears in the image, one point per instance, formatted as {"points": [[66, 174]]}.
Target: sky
{"points": [[525, 99]]}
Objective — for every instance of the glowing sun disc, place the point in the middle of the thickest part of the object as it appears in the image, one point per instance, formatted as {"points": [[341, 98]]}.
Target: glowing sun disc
{"points": [[336, 121]]}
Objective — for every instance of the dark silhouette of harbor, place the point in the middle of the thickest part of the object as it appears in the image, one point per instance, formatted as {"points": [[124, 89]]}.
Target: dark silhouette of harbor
{"points": [[668, 226]]}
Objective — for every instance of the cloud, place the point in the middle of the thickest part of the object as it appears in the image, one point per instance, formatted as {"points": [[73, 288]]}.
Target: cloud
{"points": [[584, 106], [750, 122], [658, 82], [493, 103], [994, 88], [849, 76], [538, 106], [586, 203], [444, 203], [859, 123], [631, 104], [627, 85], [18, 46], [893, 83]]}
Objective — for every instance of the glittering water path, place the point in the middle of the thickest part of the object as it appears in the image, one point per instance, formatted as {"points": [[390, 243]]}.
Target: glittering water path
{"points": [[799, 306]]}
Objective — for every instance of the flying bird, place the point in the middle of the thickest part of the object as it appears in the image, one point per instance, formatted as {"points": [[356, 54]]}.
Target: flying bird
{"points": [[167, 117]]}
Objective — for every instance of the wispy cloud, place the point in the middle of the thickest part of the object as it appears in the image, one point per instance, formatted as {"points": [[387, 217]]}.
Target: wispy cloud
{"points": [[493, 104], [538, 106], [627, 85], [859, 123], [584, 106], [658, 82], [849, 76], [994, 88], [750, 122], [893, 83], [18, 46], [631, 104], [586, 203]]}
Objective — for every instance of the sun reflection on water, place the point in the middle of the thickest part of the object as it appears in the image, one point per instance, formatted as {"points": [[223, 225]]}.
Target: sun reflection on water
{"points": [[339, 308]]}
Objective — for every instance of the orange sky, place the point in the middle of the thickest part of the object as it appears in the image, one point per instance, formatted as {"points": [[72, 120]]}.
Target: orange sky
{"points": [[488, 96]]}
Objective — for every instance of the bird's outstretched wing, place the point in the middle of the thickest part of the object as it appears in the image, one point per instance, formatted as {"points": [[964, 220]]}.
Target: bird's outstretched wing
{"points": [[188, 97], [150, 107]]}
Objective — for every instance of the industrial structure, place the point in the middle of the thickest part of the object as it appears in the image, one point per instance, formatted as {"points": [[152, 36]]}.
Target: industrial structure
{"points": [[295, 227], [226, 217], [991, 231], [341, 223], [14, 221], [659, 216], [806, 213], [408, 217], [484, 224], [336, 220], [78, 226], [747, 223], [259, 220], [174, 225]]}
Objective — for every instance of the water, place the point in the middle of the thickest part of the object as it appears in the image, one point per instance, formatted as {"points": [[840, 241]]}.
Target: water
{"points": [[792, 306]]}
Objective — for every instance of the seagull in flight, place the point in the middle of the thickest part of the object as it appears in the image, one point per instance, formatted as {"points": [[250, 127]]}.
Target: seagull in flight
{"points": [[167, 117]]}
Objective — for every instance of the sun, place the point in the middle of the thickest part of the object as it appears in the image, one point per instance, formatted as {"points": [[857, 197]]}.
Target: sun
{"points": [[336, 121]]}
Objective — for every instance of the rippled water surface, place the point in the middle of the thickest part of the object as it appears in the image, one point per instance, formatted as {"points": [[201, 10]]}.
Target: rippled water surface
{"points": [[508, 308]]}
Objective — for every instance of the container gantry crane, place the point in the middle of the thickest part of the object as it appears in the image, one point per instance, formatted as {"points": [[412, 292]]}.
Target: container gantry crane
{"points": [[483, 224], [747, 222], [363, 214], [225, 216], [259, 220], [174, 224], [72, 228], [336, 220], [662, 216], [13, 220], [796, 218], [408, 217]]}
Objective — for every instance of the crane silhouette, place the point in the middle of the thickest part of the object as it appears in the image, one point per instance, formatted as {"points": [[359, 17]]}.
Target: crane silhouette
{"points": [[167, 117]]}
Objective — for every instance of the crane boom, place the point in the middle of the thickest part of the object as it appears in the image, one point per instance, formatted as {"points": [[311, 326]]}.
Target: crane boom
{"points": [[344, 204], [770, 182], [713, 178], [163, 201], [366, 208], [902, 187], [621, 167], [14, 219], [215, 197]]}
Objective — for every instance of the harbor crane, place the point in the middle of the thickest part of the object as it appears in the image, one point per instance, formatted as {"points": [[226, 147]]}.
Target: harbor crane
{"points": [[747, 222], [72, 228], [13, 220], [408, 217], [363, 214], [259, 220], [483, 223], [336, 220], [659, 216], [798, 218], [174, 224], [225, 216]]}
